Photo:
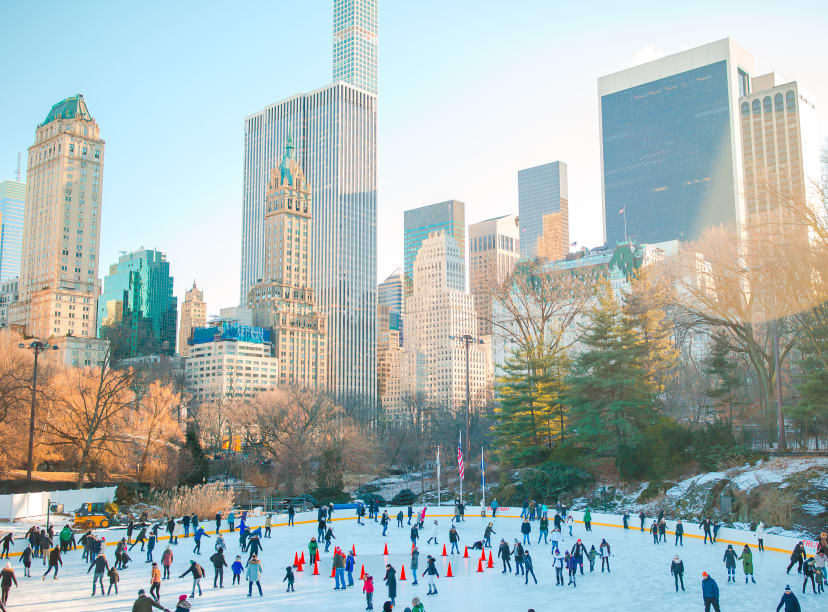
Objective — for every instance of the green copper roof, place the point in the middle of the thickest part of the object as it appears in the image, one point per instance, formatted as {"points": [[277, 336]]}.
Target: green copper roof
{"points": [[69, 108], [283, 167]]}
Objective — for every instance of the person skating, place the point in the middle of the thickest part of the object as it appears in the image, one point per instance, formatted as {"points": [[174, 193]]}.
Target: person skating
{"points": [[797, 556], [171, 531], [716, 526], [454, 539], [679, 533], [570, 521], [368, 589], [244, 534], [338, 566], [253, 574], [101, 566], [654, 532], [65, 537], [237, 569], [820, 563], [150, 547], [146, 604], [329, 535], [710, 593], [268, 525], [142, 539], [558, 563], [526, 529], [505, 554], [312, 548], [130, 529], [435, 530], [197, 535], [543, 529], [642, 517], [747, 563], [528, 567], [7, 541], [578, 553], [384, 522], [350, 564], [604, 549], [789, 601], [410, 512], [7, 579], [194, 521], [198, 573], [730, 563], [113, 576], [677, 570], [415, 533], [809, 571], [572, 567], [625, 518], [291, 515], [55, 560], [517, 553], [417, 605], [591, 556], [166, 562], [26, 560], [183, 604], [760, 535], [400, 518], [433, 575], [662, 530], [559, 522], [155, 582], [588, 519], [391, 582], [487, 536], [705, 526], [120, 547], [219, 563], [289, 578], [254, 545], [524, 509], [494, 508], [415, 563]]}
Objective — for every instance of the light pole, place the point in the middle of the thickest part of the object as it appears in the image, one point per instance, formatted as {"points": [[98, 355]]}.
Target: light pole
{"points": [[467, 340], [38, 347]]}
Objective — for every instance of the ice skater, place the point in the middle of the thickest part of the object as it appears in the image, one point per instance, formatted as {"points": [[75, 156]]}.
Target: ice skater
{"points": [[391, 582], [747, 563], [710, 593], [505, 554], [289, 578], [677, 570], [433, 575]]}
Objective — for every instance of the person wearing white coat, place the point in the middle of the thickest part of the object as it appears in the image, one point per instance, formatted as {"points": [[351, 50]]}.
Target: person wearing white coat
{"points": [[434, 531], [760, 535]]}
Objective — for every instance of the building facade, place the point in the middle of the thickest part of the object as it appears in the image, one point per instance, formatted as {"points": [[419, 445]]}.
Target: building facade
{"points": [[389, 354], [228, 360], [285, 302], [448, 217], [75, 352], [59, 282], [494, 250], [193, 314], [355, 43], [542, 190], [670, 148], [8, 296], [780, 146], [438, 313], [12, 207], [137, 310], [390, 293]]}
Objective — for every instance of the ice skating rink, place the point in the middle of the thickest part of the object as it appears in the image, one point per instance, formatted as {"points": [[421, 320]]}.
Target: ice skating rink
{"points": [[640, 578]]}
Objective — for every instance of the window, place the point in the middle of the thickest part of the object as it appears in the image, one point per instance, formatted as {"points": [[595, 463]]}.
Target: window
{"points": [[790, 98], [766, 103], [756, 107], [777, 102]]}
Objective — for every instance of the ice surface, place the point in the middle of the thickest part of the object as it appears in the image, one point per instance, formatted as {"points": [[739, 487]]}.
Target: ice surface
{"points": [[640, 578]]}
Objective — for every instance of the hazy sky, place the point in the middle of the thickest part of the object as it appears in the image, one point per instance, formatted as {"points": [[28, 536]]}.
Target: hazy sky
{"points": [[470, 92]]}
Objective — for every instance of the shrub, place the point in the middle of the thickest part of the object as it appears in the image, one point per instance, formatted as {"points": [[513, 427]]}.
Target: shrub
{"points": [[111, 507], [775, 508], [549, 481], [403, 498], [373, 497], [204, 500]]}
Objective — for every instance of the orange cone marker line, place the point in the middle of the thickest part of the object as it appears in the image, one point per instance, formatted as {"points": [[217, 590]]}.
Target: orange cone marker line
{"points": [[480, 566], [402, 573], [444, 550], [385, 550], [302, 558], [315, 568], [490, 564], [466, 552], [362, 573], [448, 573]]}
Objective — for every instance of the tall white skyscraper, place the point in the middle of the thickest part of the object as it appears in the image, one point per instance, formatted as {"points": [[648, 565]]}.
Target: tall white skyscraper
{"points": [[355, 43], [12, 204], [59, 283], [334, 132]]}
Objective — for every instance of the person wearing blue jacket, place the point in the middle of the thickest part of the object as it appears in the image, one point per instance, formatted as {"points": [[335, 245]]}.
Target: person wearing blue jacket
{"points": [[526, 529], [237, 568], [199, 533], [150, 547], [527, 566], [572, 566], [710, 593], [350, 563], [789, 600], [231, 520]]}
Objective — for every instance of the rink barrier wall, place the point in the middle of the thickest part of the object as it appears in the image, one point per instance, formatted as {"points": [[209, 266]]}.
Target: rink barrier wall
{"points": [[727, 535], [16, 506]]}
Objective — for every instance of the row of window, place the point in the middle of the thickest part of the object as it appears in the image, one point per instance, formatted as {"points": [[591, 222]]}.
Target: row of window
{"points": [[779, 104]]}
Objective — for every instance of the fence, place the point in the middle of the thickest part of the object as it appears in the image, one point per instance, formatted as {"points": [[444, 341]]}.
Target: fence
{"points": [[24, 505]]}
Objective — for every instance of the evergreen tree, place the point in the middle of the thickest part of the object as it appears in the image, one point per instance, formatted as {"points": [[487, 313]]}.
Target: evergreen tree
{"points": [[610, 398], [200, 468], [723, 368]]}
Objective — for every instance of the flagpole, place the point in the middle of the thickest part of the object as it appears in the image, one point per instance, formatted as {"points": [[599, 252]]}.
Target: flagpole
{"points": [[483, 477], [460, 445], [438, 475]]}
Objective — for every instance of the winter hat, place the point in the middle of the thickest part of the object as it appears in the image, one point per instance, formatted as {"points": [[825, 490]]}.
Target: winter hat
{"points": [[8, 565], [676, 557], [182, 597], [141, 592], [787, 588], [704, 574]]}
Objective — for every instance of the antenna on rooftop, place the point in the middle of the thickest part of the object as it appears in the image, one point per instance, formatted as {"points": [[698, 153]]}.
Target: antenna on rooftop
{"points": [[17, 173]]}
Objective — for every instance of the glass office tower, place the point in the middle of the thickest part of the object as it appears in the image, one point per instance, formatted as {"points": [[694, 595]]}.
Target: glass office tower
{"points": [[448, 217], [12, 203], [355, 45], [542, 190], [671, 153]]}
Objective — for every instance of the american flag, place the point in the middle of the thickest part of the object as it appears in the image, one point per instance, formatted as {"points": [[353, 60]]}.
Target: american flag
{"points": [[460, 459]]}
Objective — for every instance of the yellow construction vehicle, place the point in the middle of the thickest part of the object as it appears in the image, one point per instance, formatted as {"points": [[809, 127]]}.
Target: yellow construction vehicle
{"points": [[91, 516]]}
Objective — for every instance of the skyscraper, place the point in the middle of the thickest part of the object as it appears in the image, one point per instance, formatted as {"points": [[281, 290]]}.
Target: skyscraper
{"points": [[12, 204], [284, 302], [448, 217], [137, 310], [670, 149], [193, 314], [334, 130], [390, 293], [61, 229], [355, 47], [780, 145], [542, 190], [494, 249]]}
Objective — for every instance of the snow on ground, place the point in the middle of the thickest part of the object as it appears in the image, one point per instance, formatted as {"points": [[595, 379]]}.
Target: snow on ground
{"points": [[640, 578]]}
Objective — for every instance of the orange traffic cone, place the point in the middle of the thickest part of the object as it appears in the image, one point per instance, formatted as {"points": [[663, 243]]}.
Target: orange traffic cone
{"points": [[480, 565], [315, 569], [482, 554], [412, 545], [402, 573], [333, 572], [353, 550], [491, 563], [466, 552], [444, 550], [362, 573], [299, 568], [317, 556], [385, 550], [448, 573], [302, 558]]}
